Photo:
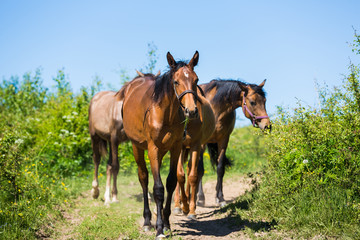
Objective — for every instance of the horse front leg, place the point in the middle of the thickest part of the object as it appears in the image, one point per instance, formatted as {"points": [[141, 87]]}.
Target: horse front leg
{"points": [[181, 181], [155, 157], [143, 175], [107, 194], [171, 182], [193, 180], [114, 167], [177, 206]]}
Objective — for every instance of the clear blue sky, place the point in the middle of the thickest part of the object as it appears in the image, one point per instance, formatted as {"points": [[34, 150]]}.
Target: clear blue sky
{"points": [[289, 43]]}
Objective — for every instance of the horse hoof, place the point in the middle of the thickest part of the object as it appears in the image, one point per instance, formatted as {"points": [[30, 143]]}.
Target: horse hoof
{"points": [[167, 230], [160, 237], [191, 216], [201, 203], [222, 204], [177, 211], [95, 193], [107, 202], [185, 212], [146, 228], [115, 200]]}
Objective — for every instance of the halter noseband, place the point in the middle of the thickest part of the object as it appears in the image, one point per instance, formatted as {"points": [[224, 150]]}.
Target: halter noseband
{"points": [[179, 97], [253, 116]]}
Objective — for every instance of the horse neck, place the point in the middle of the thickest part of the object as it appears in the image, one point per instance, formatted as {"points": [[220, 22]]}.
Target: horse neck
{"points": [[171, 109], [225, 107]]}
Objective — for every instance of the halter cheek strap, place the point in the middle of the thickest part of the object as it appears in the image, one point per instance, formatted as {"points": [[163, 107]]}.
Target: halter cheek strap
{"points": [[253, 116]]}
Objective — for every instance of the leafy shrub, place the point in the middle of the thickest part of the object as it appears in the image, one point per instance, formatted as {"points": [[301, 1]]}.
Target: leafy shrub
{"points": [[312, 179]]}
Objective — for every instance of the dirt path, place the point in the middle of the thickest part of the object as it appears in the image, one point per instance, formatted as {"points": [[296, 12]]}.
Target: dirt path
{"points": [[88, 218], [210, 225]]}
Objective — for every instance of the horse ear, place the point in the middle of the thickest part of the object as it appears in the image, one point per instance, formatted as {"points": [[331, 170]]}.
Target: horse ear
{"points": [[262, 84], [158, 74], [170, 60], [194, 61], [139, 73]]}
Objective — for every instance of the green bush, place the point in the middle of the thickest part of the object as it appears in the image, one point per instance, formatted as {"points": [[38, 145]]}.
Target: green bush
{"points": [[311, 184]]}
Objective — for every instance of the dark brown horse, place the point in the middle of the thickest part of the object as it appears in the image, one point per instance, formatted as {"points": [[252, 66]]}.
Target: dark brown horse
{"points": [[154, 114], [106, 126], [198, 132], [225, 97]]}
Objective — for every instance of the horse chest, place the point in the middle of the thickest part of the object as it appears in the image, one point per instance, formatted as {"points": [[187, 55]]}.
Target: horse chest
{"points": [[165, 137]]}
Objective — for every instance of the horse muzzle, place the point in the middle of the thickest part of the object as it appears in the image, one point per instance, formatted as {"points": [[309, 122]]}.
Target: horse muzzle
{"points": [[191, 114]]}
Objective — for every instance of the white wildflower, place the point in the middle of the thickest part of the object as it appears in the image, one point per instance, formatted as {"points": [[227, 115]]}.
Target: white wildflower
{"points": [[75, 113], [305, 161], [19, 141], [64, 131]]}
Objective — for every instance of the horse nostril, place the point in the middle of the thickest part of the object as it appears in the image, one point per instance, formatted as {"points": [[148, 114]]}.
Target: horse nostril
{"points": [[187, 111]]}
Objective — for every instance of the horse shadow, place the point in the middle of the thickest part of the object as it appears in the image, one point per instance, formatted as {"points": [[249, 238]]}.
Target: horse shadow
{"points": [[222, 226]]}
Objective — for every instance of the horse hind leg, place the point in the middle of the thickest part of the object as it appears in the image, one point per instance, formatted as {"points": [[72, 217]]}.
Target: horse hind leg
{"points": [[96, 144], [201, 170], [143, 175]]}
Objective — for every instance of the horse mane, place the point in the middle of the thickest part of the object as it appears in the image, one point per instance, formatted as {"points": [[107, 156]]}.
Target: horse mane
{"points": [[163, 83], [229, 90]]}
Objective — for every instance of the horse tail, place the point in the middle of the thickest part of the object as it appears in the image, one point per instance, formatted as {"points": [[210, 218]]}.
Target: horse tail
{"points": [[103, 148], [214, 154]]}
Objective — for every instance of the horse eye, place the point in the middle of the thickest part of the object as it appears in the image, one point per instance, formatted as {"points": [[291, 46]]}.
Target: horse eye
{"points": [[252, 103], [176, 83]]}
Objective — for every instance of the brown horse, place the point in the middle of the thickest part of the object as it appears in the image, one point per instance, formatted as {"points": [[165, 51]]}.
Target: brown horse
{"points": [[105, 125], [198, 132], [154, 114], [225, 97]]}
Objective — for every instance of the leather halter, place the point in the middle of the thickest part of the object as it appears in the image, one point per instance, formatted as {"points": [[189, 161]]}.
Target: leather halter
{"points": [[179, 97], [253, 116]]}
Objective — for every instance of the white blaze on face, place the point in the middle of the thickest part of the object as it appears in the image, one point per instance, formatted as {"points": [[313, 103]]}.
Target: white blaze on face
{"points": [[186, 73]]}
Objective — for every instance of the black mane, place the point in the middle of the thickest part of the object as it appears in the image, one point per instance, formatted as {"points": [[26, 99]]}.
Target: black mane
{"points": [[229, 90], [163, 83]]}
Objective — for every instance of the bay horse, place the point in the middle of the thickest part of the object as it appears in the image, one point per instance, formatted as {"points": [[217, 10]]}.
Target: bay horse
{"points": [[225, 97], [198, 132], [106, 126], [154, 116]]}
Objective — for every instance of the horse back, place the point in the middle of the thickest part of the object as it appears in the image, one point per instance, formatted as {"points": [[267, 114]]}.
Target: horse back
{"points": [[105, 117]]}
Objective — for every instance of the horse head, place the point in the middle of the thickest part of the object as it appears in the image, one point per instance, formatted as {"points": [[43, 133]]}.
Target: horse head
{"points": [[184, 81], [253, 105]]}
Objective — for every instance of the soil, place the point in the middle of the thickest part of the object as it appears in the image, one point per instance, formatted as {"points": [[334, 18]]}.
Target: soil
{"points": [[211, 223]]}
